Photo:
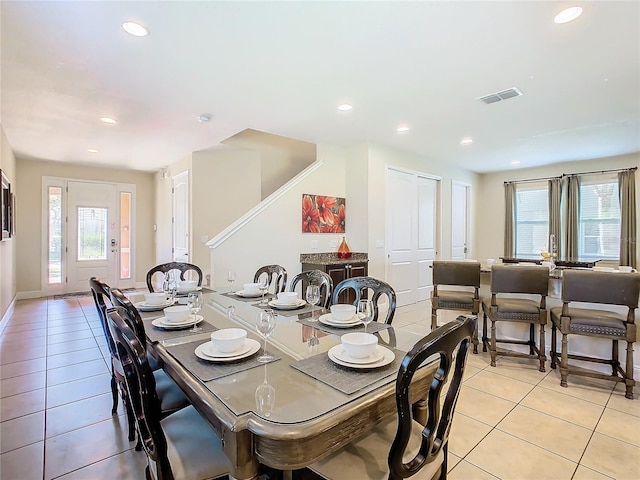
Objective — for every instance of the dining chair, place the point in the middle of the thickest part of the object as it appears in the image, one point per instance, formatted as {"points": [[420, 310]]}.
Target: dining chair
{"points": [[171, 397], [361, 287], [506, 304], [101, 291], [314, 277], [608, 289], [181, 446], [457, 274], [182, 267], [276, 276], [402, 446]]}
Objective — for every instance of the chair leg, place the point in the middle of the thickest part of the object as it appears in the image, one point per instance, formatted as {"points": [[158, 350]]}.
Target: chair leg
{"points": [[130, 417], [629, 381], [553, 345], [542, 355], [475, 339], [532, 342], [434, 319], [564, 361], [114, 395], [493, 349], [484, 332], [615, 361]]}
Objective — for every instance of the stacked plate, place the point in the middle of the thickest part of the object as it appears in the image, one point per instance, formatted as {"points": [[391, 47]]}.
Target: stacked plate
{"points": [[207, 351], [242, 293], [187, 291], [148, 307], [188, 322], [278, 305], [328, 319], [380, 357]]}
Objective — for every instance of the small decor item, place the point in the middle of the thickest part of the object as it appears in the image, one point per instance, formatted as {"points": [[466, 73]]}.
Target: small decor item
{"points": [[343, 249], [322, 214]]}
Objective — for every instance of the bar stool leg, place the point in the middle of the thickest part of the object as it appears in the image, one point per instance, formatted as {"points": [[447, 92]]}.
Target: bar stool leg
{"points": [[484, 332], [629, 381], [493, 349], [541, 351], [553, 345], [564, 362]]}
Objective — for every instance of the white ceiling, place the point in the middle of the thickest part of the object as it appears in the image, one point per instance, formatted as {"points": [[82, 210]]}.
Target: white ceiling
{"points": [[283, 67]]}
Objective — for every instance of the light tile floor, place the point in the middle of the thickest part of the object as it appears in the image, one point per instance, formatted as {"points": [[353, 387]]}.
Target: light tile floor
{"points": [[512, 422]]}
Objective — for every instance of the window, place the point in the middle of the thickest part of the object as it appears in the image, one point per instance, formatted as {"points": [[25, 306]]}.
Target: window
{"points": [[92, 233], [54, 269], [532, 219], [599, 219]]}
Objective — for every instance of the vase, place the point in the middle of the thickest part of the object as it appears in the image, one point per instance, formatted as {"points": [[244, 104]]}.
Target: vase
{"points": [[343, 249]]}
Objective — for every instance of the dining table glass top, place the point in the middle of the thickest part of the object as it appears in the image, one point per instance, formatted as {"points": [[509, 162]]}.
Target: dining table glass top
{"points": [[294, 397]]}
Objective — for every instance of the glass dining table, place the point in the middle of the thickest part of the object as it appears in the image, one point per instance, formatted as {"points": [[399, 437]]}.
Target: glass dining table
{"points": [[309, 407]]}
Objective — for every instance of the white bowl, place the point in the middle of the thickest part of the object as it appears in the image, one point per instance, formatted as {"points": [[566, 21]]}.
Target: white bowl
{"points": [[176, 314], [359, 344], [250, 288], [288, 298], [156, 298], [187, 285], [228, 340], [342, 312]]}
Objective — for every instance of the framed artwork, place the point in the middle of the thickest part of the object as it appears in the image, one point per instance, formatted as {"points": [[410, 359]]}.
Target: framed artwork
{"points": [[323, 214], [6, 221]]}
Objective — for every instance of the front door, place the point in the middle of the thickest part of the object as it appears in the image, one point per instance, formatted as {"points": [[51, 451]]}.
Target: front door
{"points": [[92, 234]]}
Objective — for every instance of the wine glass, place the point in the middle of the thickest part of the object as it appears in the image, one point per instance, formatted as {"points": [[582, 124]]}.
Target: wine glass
{"points": [[312, 295], [365, 313], [263, 286], [313, 342], [169, 285], [265, 323], [194, 302], [265, 397], [231, 277]]}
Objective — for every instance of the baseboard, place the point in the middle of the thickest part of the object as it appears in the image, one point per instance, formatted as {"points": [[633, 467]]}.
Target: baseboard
{"points": [[27, 295], [7, 315]]}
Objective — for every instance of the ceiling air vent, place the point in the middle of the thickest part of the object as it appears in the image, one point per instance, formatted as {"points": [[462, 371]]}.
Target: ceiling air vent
{"points": [[503, 95]]}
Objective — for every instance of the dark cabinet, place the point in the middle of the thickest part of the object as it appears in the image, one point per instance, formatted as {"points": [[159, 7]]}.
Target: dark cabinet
{"points": [[339, 272]]}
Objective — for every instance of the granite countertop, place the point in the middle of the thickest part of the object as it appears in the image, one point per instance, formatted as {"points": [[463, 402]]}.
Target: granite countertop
{"points": [[331, 258]]}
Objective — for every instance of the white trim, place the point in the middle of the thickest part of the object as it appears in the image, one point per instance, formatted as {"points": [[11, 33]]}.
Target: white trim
{"points": [[7, 315], [468, 240], [31, 294], [267, 202]]}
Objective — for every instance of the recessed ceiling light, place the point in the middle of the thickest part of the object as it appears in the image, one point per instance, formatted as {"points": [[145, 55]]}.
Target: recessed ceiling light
{"points": [[345, 107], [568, 15], [108, 120], [515, 162], [135, 29], [466, 141], [204, 118], [92, 150], [402, 128]]}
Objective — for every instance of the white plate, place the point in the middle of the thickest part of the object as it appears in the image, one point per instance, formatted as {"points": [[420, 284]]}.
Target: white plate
{"points": [[287, 306], [242, 293], [160, 323], [340, 353], [146, 307], [254, 347], [388, 357], [327, 319], [187, 291], [209, 350]]}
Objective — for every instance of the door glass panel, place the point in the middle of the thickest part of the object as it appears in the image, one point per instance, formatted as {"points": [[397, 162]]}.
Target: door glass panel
{"points": [[54, 273], [125, 235], [92, 233]]}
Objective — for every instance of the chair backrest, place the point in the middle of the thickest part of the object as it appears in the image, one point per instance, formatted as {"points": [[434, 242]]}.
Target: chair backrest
{"points": [[456, 273], [182, 267], [446, 345], [315, 277], [119, 299], [601, 287], [141, 386], [276, 275], [379, 288], [520, 279], [100, 291]]}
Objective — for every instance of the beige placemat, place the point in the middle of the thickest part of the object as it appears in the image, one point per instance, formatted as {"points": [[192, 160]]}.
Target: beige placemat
{"points": [[347, 380], [206, 371], [373, 327], [248, 300]]}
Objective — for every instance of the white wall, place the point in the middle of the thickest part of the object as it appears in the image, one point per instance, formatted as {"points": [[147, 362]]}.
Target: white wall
{"points": [[275, 235], [8, 251], [490, 212]]}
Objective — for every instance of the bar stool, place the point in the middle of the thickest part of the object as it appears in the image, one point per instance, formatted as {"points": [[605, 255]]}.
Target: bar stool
{"points": [[517, 279], [605, 288], [457, 274]]}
